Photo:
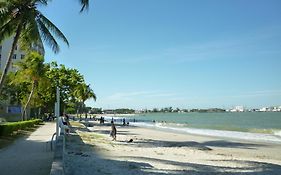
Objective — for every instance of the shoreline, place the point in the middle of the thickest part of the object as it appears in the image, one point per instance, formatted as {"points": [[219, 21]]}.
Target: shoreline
{"points": [[257, 132], [219, 134], [159, 152]]}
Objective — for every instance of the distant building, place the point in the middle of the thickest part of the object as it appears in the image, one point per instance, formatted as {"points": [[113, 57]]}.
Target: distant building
{"points": [[237, 109], [264, 109], [108, 111]]}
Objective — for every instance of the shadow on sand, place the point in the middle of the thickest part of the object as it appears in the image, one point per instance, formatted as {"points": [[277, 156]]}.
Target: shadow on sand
{"points": [[84, 159], [196, 145]]}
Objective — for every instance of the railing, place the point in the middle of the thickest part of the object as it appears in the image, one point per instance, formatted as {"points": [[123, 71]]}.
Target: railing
{"points": [[52, 141]]}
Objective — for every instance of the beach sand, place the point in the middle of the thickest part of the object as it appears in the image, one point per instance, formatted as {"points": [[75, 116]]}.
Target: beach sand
{"points": [[91, 151]]}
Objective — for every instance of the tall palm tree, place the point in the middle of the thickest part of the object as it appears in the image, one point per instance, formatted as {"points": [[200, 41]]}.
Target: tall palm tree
{"points": [[31, 71], [23, 20], [83, 92]]}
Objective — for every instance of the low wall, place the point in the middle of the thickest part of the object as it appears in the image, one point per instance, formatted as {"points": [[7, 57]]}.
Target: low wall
{"points": [[57, 165]]}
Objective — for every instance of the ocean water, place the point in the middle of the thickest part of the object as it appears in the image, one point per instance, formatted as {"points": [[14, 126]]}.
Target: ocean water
{"points": [[257, 126]]}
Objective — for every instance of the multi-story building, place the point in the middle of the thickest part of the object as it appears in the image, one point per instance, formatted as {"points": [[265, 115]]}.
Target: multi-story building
{"points": [[5, 49], [6, 110]]}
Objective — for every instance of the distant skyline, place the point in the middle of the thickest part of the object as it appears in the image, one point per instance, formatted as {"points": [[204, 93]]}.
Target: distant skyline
{"points": [[179, 53]]}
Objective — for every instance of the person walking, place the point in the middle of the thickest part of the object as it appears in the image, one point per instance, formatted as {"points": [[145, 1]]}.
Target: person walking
{"points": [[113, 131]]}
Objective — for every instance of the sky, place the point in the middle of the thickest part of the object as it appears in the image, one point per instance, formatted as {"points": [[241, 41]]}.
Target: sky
{"points": [[180, 53]]}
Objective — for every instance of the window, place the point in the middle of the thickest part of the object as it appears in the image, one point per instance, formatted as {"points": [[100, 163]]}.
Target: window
{"points": [[14, 56], [22, 56], [0, 48], [0, 57]]}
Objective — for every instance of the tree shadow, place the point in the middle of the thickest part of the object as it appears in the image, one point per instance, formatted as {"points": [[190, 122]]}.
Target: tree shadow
{"points": [[198, 145], [232, 144], [82, 158], [24, 156]]}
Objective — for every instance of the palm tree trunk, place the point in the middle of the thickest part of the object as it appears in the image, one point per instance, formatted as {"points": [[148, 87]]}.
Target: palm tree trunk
{"points": [[80, 112], [24, 117], [85, 111], [9, 60]]}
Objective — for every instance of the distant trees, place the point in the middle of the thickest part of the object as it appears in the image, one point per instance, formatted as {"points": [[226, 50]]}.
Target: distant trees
{"points": [[170, 109], [124, 111], [96, 111]]}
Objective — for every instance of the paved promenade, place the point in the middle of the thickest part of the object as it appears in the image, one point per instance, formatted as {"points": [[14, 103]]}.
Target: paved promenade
{"points": [[30, 155]]}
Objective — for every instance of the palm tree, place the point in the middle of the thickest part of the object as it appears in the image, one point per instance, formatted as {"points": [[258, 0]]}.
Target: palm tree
{"points": [[84, 4], [31, 71], [83, 92], [22, 19]]}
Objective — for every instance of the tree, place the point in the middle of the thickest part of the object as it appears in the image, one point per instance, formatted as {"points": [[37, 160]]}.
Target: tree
{"points": [[22, 19], [83, 92], [31, 71]]}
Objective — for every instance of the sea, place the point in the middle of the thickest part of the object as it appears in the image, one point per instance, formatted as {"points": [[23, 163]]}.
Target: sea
{"points": [[255, 126]]}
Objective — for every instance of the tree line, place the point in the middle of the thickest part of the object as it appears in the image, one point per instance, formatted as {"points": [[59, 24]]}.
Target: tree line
{"points": [[34, 84]]}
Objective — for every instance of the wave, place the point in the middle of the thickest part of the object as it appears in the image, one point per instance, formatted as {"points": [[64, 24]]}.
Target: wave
{"points": [[262, 136]]}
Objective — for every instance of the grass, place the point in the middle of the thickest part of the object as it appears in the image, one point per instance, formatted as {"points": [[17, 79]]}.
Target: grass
{"points": [[91, 136], [76, 124]]}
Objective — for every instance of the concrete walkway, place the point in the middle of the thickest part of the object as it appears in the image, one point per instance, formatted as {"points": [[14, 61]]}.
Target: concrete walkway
{"points": [[29, 155]]}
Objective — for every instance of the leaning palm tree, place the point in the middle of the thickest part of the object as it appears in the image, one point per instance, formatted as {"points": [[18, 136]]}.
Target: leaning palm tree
{"points": [[23, 20], [31, 72]]}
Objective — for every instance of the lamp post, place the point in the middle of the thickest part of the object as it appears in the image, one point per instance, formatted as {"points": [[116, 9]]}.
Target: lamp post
{"points": [[57, 111]]}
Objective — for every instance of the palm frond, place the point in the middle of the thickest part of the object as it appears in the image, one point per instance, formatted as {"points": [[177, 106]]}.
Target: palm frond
{"points": [[30, 36], [3, 4], [8, 29], [4, 16], [47, 36], [84, 4], [51, 27], [43, 2]]}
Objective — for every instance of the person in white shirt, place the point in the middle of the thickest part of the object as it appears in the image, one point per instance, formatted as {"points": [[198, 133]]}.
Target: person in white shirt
{"points": [[64, 125]]}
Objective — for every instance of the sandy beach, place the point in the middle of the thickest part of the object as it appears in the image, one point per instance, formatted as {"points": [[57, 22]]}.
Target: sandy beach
{"points": [[91, 151]]}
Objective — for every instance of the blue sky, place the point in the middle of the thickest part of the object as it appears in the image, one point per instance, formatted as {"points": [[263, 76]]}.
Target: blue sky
{"points": [[179, 53]]}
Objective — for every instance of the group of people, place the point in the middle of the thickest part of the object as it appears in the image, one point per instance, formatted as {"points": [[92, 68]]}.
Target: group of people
{"points": [[65, 126]]}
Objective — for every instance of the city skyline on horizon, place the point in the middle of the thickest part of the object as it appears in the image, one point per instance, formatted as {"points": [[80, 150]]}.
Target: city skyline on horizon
{"points": [[182, 54]]}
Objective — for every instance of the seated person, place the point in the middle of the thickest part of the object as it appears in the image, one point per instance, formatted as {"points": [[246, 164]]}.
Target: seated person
{"points": [[64, 125]]}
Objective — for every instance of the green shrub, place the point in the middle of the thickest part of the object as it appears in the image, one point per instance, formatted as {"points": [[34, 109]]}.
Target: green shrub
{"points": [[8, 128]]}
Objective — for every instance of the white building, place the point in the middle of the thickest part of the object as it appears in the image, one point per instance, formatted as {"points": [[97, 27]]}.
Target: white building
{"points": [[8, 111], [237, 109], [5, 48]]}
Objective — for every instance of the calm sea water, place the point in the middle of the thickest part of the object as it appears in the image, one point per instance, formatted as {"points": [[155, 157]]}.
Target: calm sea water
{"points": [[260, 126]]}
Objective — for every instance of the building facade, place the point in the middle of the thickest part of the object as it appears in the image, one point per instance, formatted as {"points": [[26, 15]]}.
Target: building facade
{"points": [[5, 48], [10, 112]]}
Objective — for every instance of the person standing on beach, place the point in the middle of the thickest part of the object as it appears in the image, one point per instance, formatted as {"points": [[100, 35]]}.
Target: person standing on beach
{"points": [[113, 131]]}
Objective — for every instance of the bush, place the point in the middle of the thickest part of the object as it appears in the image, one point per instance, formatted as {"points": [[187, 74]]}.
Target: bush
{"points": [[8, 128]]}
